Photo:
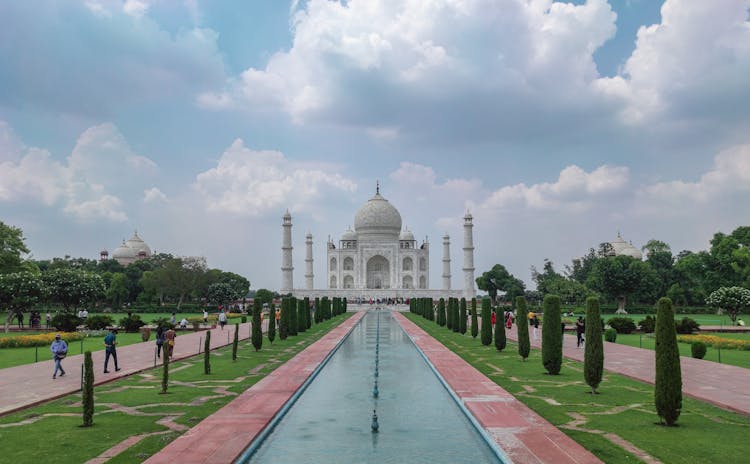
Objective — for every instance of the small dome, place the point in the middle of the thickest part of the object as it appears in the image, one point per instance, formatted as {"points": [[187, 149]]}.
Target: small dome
{"points": [[378, 216], [349, 235], [137, 244], [623, 248], [406, 235], [124, 252]]}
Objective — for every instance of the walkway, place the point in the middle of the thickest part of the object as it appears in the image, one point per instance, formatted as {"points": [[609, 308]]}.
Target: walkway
{"points": [[30, 384], [719, 384], [224, 435]]}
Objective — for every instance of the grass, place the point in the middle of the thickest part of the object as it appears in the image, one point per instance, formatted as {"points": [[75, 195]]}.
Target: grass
{"points": [[192, 397], [702, 319], [738, 358], [624, 408]]}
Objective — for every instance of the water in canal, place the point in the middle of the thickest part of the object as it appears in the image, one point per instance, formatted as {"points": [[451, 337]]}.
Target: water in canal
{"points": [[419, 420]]}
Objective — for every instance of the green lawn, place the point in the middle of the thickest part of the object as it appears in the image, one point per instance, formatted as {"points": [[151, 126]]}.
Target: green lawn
{"points": [[192, 397], [624, 408], [733, 357], [702, 319]]}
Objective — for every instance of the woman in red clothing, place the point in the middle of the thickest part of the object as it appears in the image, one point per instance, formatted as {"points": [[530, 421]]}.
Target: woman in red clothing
{"points": [[494, 318]]}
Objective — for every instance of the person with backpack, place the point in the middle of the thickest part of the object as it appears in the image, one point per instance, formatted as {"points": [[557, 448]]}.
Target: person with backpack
{"points": [[59, 350], [580, 330]]}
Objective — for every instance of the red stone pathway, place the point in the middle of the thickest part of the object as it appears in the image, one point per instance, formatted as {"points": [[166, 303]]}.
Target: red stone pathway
{"points": [[30, 384], [719, 384], [522, 434], [224, 435]]}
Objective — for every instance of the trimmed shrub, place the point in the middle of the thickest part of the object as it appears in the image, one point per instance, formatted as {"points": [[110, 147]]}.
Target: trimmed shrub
{"points": [[272, 322], [207, 353], [87, 395], [293, 308], [131, 324], [44, 339], [441, 318], [623, 325], [99, 322], [308, 316], [474, 320], [500, 340], [698, 350], [165, 369], [162, 322], [284, 319], [257, 332], [66, 322], [687, 326], [449, 314], [522, 327], [243, 319], [648, 324], [486, 322], [456, 326], [668, 383], [462, 316], [235, 341], [593, 360], [610, 335], [301, 319], [551, 335]]}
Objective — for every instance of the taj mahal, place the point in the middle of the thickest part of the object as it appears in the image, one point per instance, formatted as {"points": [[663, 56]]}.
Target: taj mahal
{"points": [[378, 259]]}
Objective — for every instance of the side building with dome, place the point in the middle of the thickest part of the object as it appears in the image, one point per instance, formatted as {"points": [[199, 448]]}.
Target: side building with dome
{"points": [[378, 259], [130, 251]]}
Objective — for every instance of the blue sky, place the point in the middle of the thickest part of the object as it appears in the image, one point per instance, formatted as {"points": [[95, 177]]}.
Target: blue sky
{"points": [[198, 123]]}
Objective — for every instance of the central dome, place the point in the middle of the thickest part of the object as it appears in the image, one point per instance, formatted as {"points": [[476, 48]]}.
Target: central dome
{"points": [[378, 216]]}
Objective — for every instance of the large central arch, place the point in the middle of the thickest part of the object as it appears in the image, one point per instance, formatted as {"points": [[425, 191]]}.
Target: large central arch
{"points": [[378, 272]]}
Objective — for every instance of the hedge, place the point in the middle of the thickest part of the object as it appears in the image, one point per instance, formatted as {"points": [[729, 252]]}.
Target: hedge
{"points": [[45, 339]]}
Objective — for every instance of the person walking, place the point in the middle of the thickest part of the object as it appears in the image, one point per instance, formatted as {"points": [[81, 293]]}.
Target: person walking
{"points": [[205, 316], [173, 319], [536, 326], [508, 320], [159, 340], [19, 316], [59, 350], [49, 319], [222, 319], [110, 349], [494, 318], [169, 337], [580, 330]]}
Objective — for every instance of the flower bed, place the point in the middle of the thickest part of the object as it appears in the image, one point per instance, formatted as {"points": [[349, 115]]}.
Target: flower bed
{"points": [[24, 341], [716, 342]]}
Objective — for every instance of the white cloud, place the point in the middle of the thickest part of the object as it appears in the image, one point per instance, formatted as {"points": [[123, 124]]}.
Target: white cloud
{"points": [[153, 195], [135, 8], [250, 182], [100, 166]]}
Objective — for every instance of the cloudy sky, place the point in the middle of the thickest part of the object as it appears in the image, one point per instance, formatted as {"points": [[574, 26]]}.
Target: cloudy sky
{"points": [[198, 123]]}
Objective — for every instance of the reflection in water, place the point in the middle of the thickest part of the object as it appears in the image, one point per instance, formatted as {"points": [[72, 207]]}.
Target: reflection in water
{"points": [[418, 420]]}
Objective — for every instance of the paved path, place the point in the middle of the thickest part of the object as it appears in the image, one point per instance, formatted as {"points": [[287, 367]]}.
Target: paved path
{"points": [[224, 435], [30, 384], [719, 384], [523, 435]]}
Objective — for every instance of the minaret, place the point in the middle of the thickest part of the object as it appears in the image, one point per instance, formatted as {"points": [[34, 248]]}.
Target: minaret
{"points": [[446, 262], [469, 290], [287, 282], [309, 261]]}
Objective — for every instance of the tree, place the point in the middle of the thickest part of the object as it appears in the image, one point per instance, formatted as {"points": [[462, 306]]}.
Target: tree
{"points": [[733, 300], [165, 369], [499, 279], [474, 321], [12, 246], [292, 328], [221, 293], [449, 314], [87, 395], [236, 341], [301, 318], [257, 332], [118, 289], [522, 327], [178, 278], [659, 257], [19, 291], [486, 322], [620, 276], [72, 288], [500, 340], [462, 317], [271, 323], [207, 353], [456, 317], [308, 316], [265, 296], [441, 318], [284, 319], [580, 268], [668, 383], [593, 360], [552, 335]]}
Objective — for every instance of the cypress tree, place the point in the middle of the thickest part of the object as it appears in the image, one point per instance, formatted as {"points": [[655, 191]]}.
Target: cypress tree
{"points": [[522, 326], [207, 353], [235, 341], [449, 314], [317, 310], [500, 341], [271, 323], [593, 360], [165, 372], [441, 319], [284, 319], [88, 390], [323, 308], [552, 335], [474, 320], [308, 317], [668, 384], [301, 319], [257, 332], [292, 327], [462, 317], [456, 318], [486, 322], [345, 307]]}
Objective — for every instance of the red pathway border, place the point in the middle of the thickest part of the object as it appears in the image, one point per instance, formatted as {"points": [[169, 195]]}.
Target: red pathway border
{"points": [[522, 434], [224, 435]]}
